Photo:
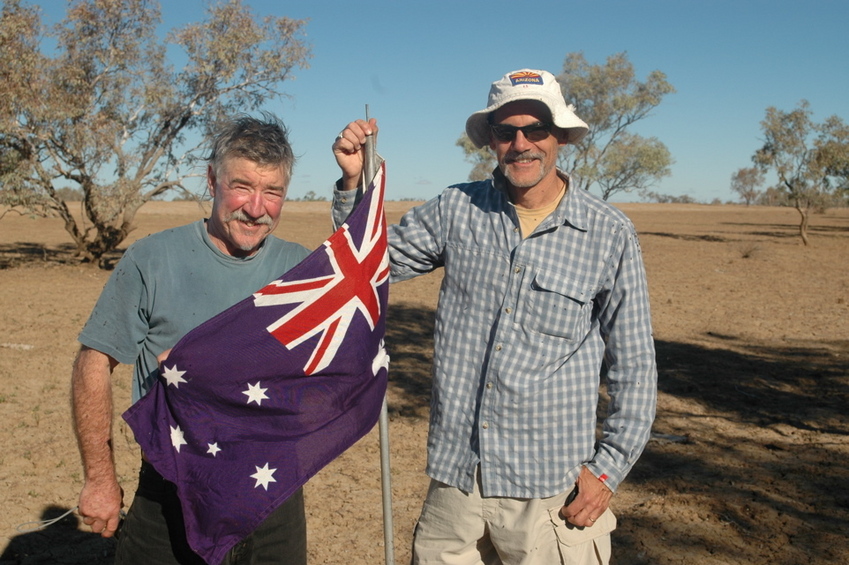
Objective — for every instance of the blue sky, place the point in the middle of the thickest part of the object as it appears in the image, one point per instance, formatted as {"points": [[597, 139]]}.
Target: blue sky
{"points": [[423, 67]]}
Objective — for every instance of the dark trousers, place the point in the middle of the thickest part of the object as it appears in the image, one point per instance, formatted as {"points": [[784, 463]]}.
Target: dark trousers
{"points": [[154, 533]]}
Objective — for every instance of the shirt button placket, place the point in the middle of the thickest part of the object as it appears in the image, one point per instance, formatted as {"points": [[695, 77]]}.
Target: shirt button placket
{"points": [[489, 394]]}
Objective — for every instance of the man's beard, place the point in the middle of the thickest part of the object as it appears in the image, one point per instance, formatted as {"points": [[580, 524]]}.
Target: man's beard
{"points": [[512, 157]]}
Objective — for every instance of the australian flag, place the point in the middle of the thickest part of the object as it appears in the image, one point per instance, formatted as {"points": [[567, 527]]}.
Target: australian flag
{"points": [[255, 401]]}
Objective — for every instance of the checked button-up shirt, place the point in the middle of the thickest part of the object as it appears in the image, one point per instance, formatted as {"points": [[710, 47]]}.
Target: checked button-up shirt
{"points": [[524, 330]]}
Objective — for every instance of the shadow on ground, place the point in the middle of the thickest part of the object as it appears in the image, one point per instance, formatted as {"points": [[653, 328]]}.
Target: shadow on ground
{"points": [[409, 341], [765, 230], [61, 543], [781, 500], [28, 253]]}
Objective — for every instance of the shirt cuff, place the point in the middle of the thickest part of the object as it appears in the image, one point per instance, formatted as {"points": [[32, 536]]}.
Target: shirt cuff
{"points": [[603, 473]]}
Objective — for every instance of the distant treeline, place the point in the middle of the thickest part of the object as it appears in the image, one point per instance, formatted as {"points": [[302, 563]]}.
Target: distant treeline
{"points": [[768, 197]]}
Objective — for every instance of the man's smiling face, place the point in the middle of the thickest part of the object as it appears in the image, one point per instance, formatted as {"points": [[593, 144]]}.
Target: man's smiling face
{"points": [[523, 162], [247, 200]]}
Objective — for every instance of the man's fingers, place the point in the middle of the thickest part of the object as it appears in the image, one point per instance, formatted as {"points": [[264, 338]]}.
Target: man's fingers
{"points": [[348, 150], [346, 143], [105, 528], [97, 525], [582, 518], [162, 357], [353, 137], [111, 527], [586, 508]]}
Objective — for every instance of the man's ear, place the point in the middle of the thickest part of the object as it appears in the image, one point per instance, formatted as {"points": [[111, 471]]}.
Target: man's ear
{"points": [[210, 180], [562, 136]]}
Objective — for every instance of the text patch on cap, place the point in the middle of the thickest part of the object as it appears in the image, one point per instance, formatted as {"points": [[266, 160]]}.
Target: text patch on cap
{"points": [[525, 77]]}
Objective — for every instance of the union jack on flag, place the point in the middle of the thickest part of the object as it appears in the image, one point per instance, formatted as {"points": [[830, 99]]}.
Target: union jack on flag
{"points": [[326, 304], [252, 403]]}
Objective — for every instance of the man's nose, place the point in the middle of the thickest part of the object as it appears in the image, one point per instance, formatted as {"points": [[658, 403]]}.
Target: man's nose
{"points": [[255, 205], [520, 142]]}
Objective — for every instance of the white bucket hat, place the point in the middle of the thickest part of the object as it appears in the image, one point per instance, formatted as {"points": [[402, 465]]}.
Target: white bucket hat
{"points": [[527, 84]]}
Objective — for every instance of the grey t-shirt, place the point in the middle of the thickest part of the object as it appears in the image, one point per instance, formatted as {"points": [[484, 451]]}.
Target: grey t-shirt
{"points": [[169, 283]]}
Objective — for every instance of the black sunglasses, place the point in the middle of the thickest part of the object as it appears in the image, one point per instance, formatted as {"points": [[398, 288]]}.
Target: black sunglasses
{"points": [[534, 132]]}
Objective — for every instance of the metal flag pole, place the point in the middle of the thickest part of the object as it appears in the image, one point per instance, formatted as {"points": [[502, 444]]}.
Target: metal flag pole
{"points": [[370, 168]]}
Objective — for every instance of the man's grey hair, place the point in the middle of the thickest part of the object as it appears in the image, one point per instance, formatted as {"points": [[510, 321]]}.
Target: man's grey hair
{"points": [[264, 141]]}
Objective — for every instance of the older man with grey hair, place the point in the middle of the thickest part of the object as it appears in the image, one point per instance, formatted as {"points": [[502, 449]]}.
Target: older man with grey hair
{"points": [[164, 286]]}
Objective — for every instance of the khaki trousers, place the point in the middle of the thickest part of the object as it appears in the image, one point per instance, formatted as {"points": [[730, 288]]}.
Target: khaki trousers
{"points": [[457, 528]]}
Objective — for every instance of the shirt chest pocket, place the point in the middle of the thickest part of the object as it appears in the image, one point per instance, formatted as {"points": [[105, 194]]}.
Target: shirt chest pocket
{"points": [[553, 305]]}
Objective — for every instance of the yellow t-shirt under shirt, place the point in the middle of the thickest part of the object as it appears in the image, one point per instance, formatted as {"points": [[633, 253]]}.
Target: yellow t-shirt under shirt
{"points": [[530, 219]]}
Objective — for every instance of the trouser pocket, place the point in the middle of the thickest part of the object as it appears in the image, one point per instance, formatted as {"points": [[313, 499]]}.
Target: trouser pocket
{"points": [[583, 546]]}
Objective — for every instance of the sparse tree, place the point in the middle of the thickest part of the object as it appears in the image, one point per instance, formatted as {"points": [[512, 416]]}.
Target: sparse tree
{"points": [[668, 198], [811, 160], [833, 153], [610, 99], [102, 110], [631, 162], [773, 197], [745, 182], [482, 159], [311, 196]]}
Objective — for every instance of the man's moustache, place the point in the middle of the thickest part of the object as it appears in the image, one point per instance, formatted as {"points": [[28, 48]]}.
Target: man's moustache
{"points": [[512, 157], [242, 217]]}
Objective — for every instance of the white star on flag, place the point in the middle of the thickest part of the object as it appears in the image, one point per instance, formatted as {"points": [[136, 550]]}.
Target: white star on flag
{"points": [[255, 394], [264, 476], [177, 438], [173, 377], [213, 449], [381, 360]]}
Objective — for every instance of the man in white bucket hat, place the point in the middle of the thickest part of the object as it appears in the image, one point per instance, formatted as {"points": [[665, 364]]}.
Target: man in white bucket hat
{"points": [[543, 292]]}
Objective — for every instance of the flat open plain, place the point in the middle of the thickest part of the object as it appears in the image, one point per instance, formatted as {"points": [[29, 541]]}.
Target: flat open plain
{"points": [[749, 463]]}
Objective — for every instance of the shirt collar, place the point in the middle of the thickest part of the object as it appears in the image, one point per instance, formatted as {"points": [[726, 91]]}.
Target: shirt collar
{"points": [[572, 209]]}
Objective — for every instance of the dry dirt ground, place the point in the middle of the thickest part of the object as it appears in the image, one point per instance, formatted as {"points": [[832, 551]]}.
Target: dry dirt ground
{"points": [[749, 462]]}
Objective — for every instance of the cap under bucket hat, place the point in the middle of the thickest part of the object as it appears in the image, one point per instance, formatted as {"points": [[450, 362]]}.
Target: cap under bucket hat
{"points": [[527, 84]]}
